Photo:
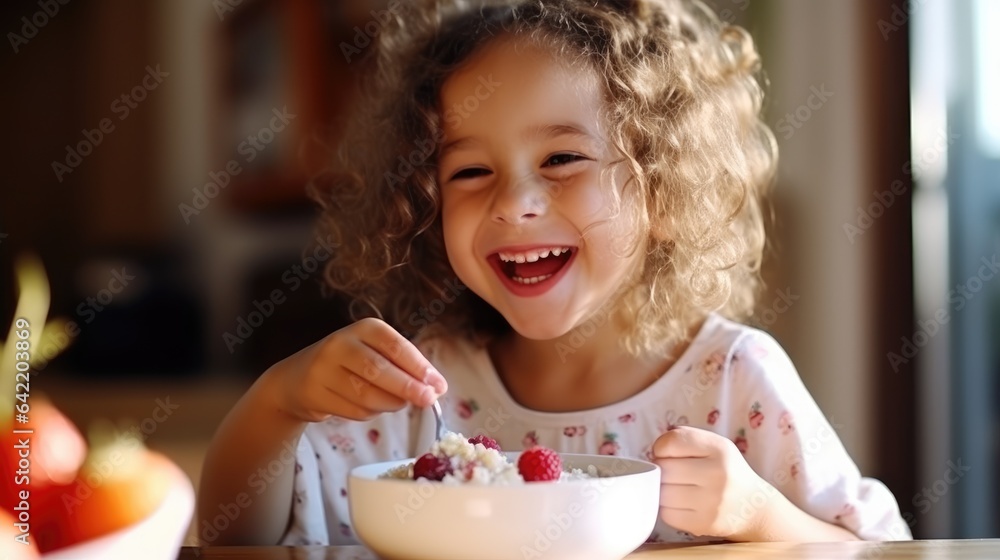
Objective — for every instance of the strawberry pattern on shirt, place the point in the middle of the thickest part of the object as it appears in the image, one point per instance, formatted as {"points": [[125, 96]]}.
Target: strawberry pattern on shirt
{"points": [[733, 380]]}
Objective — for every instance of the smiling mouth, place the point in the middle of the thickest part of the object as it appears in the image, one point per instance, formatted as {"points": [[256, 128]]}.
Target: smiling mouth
{"points": [[542, 265]]}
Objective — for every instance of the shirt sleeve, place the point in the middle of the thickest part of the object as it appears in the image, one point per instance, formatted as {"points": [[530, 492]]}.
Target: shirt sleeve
{"points": [[308, 519], [326, 453], [788, 442]]}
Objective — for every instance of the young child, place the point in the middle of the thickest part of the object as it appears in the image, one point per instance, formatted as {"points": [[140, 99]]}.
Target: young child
{"points": [[555, 208]]}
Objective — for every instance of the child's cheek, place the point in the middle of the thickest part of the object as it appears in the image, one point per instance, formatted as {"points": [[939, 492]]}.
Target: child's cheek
{"points": [[585, 198]]}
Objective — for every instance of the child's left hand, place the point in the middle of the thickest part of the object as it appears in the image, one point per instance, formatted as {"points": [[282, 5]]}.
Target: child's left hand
{"points": [[707, 487]]}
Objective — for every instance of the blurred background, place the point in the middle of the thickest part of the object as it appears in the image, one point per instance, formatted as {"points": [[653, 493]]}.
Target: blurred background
{"points": [[158, 152]]}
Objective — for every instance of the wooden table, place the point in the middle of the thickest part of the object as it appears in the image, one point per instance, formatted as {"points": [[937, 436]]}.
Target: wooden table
{"points": [[977, 549]]}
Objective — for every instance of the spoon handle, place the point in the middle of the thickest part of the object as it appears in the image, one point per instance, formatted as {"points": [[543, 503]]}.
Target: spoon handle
{"points": [[439, 420]]}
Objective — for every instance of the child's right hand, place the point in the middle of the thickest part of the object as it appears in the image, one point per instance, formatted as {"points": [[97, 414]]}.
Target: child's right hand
{"points": [[358, 372]]}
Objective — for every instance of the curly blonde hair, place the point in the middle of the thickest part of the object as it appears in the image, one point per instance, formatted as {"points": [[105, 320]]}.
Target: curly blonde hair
{"points": [[683, 108]]}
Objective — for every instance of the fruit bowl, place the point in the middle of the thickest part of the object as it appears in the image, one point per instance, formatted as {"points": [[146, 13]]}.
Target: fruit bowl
{"points": [[157, 537], [591, 519], [107, 498]]}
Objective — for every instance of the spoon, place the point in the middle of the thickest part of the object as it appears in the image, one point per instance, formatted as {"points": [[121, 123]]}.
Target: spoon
{"points": [[439, 421]]}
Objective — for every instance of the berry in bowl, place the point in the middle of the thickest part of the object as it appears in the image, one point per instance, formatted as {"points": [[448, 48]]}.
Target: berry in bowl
{"points": [[479, 460], [467, 500]]}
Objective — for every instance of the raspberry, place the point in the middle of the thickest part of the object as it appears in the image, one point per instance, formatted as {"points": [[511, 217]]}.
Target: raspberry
{"points": [[487, 442], [431, 467], [539, 464], [467, 470]]}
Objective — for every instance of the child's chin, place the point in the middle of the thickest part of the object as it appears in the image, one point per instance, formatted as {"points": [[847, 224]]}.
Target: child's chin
{"points": [[532, 330]]}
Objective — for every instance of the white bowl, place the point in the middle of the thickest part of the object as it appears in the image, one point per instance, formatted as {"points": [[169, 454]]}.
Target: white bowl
{"points": [[158, 537], [593, 519]]}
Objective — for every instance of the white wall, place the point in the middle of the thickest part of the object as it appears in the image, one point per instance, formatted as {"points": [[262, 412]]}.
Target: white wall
{"points": [[811, 46]]}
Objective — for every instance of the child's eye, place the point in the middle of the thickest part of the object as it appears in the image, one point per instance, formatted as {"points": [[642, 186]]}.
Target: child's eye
{"points": [[563, 159], [470, 173]]}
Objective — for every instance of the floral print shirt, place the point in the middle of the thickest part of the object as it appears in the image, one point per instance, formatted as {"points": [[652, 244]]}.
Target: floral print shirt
{"points": [[733, 380]]}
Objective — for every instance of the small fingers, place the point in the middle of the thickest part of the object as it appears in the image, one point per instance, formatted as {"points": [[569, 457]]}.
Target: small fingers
{"points": [[687, 470], [347, 408], [679, 507], [373, 368], [680, 519], [681, 497], [685, 441], [391, 345], [360, 391]]}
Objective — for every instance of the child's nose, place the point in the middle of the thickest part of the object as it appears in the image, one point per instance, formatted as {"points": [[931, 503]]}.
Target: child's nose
{"points": [[520, 200]]}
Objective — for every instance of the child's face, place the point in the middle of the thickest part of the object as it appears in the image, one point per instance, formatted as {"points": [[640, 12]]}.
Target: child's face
{"points": [[521, 175]]}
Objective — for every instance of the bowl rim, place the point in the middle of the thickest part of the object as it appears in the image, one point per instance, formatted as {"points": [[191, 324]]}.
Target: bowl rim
{"points": [[368, 472], [375, 505], [178, 504]]}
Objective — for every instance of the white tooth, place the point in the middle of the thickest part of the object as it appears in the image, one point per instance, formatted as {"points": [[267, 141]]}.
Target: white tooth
{"points": [[544, 254], [532, 280], [519, 258], [556, 252], [531, 256]]}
